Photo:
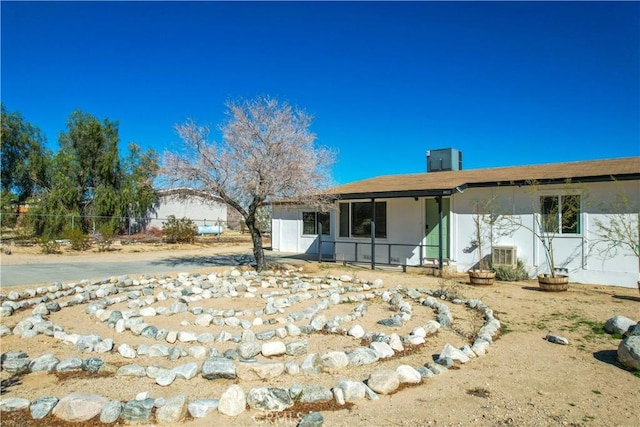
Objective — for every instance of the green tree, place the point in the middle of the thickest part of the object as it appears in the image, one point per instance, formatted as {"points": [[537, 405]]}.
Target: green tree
{"points": [[24, 162], [91, 183]]}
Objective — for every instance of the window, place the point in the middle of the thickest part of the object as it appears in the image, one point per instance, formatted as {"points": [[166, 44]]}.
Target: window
{"points": [[311, 222], [560, 214], [355, 219]]}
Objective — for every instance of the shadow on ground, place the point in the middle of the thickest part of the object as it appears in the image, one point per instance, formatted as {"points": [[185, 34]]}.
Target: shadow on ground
{"points": [[625, 297], [229, 260], [610, 357]]}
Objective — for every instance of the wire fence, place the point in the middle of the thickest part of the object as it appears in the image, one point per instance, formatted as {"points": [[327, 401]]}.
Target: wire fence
{"points": [[13, 223]]}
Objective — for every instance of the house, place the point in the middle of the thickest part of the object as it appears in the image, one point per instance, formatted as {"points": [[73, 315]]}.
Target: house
{"points": [[427, 219], [206, 213]]}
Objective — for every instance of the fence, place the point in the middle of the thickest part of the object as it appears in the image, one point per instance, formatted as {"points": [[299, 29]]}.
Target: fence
{"points": [[393, 254], [130, 226]]}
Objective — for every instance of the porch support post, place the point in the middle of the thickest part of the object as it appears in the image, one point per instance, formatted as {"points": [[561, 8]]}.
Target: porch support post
{"points": [[439, 200], [373, 234], [319, 242]]}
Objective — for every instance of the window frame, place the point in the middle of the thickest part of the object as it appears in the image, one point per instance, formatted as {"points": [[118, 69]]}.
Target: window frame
{"points": [[323, 218], [347, 217], [558, 225]]}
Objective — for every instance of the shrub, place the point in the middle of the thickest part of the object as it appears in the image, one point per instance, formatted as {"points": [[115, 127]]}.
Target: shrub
{"points": [[105, 236], [78, 240], [49, 246], [511, 274], [179, 230]]}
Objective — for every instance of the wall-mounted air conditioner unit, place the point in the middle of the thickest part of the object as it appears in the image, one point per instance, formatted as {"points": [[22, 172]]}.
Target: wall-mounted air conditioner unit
{"points": [[504, 255]]}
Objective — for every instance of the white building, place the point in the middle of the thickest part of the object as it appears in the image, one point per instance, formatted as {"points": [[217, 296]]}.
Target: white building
{"points": [[196, 206], [428, 218]]}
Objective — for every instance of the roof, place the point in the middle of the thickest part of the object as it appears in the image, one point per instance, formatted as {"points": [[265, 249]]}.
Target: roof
{"points": [[448, 182]]}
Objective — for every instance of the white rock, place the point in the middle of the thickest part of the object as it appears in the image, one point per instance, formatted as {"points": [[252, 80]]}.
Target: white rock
{"points": [[408, 374], [273, 348], [233, 401]]}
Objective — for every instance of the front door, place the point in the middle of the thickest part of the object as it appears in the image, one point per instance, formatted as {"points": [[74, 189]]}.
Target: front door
{"points": [[432, 226]]}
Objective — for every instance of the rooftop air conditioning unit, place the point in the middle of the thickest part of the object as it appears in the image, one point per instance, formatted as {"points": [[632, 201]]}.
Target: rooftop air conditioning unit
{"points": [[504, 256], [446, 159]]}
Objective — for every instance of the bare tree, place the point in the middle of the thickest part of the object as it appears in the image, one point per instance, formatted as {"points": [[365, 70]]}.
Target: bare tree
{"points": [[267, 153], [620, 230]]}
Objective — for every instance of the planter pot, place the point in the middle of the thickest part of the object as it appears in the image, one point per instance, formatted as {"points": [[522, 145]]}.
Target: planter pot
{"points": [[553, 284], [481, 277]]}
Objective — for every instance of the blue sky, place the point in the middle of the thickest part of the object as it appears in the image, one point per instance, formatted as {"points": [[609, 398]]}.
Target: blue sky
{"points": [[506, 83]]}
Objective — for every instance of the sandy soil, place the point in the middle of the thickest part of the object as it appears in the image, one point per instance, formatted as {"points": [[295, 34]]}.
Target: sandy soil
{"points": [[523, 380]]}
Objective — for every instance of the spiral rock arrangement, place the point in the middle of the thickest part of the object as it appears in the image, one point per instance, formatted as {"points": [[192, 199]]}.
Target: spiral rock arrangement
{"points": [[266, 340]]}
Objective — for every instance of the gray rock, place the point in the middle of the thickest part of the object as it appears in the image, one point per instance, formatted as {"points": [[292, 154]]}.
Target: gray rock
{"points": [[173, 411], [113, 318], [318, 322], [165, 378], [92, 364], [391, 321], [556, 339], [158, 350], [629, 352], [352, 390], [104, 346], [297, 348], [334, 361], [218, 367], [131, 371], [382, 349], [42, 406], [72, 364], [137, 410], [424, 372], [202, 407], [632, 331], [312, 419], [383, 381], [247, 350], [46, 362], [269, 399], [445, 319], [4, 329], [233, 401], [311, 364], [266, 335], [149, 332], [186, 371], [450, 352], [175, 353], [111, 412], [79, 406], [362, 356], [436, 368], [314, 393], [126, 351], [618, 325], [10, 404]]}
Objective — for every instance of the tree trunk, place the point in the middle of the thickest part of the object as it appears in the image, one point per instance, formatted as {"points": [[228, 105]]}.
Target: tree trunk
{"points": [[258, 251]]}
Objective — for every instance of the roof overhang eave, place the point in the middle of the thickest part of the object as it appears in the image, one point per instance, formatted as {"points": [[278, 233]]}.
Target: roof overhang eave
{"points": [[399, 194]]}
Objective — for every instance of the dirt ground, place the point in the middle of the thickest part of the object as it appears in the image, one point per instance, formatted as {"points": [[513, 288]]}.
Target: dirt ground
{"points": [[524, 380]]}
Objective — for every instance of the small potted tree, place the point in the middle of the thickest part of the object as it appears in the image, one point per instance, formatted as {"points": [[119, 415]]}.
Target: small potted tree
{"points": [[552, 215], [483, 222], [619, 231]]}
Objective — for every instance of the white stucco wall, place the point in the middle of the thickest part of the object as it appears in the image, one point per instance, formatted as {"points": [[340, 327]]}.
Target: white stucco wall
{"points": [[201, 211], [287, 230], [578, 254]]}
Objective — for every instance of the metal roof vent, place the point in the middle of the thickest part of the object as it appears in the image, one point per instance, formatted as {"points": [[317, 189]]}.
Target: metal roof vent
{"points": [[444, 159]]}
